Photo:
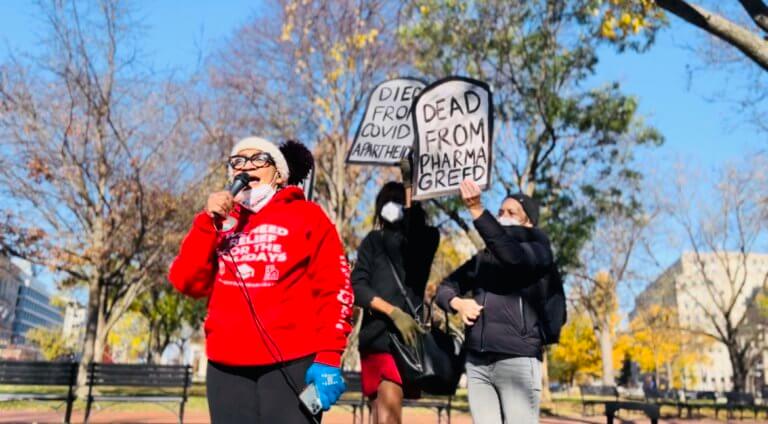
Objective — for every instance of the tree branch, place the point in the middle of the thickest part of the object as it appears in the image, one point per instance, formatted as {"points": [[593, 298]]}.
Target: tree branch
{"points": [[758, 11], [751, 44]]}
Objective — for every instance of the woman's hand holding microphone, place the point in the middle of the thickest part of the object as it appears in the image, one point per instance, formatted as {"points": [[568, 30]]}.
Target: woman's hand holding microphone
{"points": [[219, 203]]}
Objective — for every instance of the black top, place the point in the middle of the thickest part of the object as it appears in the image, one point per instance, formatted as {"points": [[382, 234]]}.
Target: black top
{"points": [[411, 251], [515, 258]]}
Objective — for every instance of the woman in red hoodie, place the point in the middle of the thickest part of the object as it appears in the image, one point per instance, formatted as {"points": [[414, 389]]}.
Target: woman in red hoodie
{"points": [[279, 300]]}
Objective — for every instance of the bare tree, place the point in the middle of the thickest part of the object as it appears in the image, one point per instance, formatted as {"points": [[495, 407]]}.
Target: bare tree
{"points": [[93, 158], [725, 229], [304, 69]]}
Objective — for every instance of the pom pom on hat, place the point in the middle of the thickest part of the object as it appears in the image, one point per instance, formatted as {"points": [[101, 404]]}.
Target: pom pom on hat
{"points": [[299, 159]]}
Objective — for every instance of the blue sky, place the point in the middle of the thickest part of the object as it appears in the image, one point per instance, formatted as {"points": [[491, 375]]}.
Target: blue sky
{"points": [[696, 130]]}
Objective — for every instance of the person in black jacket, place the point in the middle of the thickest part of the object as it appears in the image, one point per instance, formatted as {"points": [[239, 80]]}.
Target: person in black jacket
{"points": [[503, 334], [403, 241]]}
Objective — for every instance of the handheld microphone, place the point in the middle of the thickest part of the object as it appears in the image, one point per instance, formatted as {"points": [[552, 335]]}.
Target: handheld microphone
{"points": [[238, 184], [241, 181]]}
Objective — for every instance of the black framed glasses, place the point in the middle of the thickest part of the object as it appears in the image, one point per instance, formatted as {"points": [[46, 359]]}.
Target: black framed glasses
{"points": [[258, 160]]}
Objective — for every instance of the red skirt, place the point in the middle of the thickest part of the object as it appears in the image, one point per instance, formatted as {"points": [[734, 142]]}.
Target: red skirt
{"points": [[376, 367]]}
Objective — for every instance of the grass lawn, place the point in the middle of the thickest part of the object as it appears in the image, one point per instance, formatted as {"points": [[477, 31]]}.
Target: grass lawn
{"points": [[559, 406]]}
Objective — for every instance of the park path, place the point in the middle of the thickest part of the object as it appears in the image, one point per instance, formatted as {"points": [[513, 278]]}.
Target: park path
{"points": [[333, 417]]}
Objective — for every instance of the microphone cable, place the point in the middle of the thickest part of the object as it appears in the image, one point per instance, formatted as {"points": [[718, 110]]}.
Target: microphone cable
{"points": [[276, 355]]}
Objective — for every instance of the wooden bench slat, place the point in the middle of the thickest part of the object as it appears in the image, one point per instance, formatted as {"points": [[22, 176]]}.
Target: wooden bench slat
{"points": [[32, 396], [123, 398], [135, 381], [118, 378], [40, 373], [37, 373], [36, 381], [136, 371]]}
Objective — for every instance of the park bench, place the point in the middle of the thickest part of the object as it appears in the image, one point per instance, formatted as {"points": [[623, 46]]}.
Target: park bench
{"points": [[596, 395], [651, 410], [669, 398], [438, 403], [150, 383], [696, 401], [40, 373], [608, 396], [354, 398], [737, 401]]}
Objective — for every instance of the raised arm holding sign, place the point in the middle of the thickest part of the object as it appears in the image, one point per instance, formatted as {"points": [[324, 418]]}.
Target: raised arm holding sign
{"points": [[454, 128]]}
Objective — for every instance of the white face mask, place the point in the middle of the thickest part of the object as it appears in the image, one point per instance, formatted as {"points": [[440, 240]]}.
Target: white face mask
{"points": [[256, 198], [508, 220], [392, 212]]}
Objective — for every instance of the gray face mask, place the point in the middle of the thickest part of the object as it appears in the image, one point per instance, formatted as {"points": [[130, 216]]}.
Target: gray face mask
{"points": [[507, 221], [392, 212]]}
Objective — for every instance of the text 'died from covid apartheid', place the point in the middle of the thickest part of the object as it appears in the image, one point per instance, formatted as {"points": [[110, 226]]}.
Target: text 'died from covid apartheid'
{"points": [[385, 135], [454, 126]]}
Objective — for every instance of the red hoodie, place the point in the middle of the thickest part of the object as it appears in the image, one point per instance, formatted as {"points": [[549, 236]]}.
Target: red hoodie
{"points": [[290, 258]]}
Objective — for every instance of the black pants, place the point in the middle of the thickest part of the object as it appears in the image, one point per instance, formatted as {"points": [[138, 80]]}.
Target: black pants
{"points": [[257, 394]]}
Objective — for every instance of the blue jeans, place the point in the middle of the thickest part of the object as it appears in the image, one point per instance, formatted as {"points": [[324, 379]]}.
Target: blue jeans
{"points": [[503, 390]]}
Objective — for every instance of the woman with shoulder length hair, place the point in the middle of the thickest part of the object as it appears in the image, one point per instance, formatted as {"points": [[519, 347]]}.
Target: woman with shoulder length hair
{"points": [[400, 243]]}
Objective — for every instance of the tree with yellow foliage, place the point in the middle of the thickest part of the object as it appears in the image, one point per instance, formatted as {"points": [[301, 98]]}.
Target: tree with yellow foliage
{"points": [[50, 342], [577, 353], [659, 345], [128, 340], [621, 20]]}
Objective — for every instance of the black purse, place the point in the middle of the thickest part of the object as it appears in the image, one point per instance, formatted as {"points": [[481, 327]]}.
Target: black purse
{"points": [[436, 362]]}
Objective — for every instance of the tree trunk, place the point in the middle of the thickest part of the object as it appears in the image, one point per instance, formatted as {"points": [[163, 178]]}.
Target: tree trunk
{"points": [[606, 353], [739, 366], [91, 327], [670, 377], [341, 181], [101, 331], [99, 344], [546, 396], [151, 344]]}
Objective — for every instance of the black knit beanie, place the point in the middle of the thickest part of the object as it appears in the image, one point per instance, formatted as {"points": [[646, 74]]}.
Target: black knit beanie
{"points": [[530, 206]]}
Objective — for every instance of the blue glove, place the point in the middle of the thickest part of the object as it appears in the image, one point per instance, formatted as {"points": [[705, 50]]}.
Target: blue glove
{"points": [[328, 382]]}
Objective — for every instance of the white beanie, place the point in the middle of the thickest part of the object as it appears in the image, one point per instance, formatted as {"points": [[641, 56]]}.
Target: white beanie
{"points": [[264, 146]]}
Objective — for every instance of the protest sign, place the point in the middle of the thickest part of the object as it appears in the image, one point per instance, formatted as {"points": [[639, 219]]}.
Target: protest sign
{"points": [[385, 135], [453, 118]]}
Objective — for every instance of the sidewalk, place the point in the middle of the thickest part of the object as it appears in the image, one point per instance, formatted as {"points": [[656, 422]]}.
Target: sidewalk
{"points": [[333, 417]]}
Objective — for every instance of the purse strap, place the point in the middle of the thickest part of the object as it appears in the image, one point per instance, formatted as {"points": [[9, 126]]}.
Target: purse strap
{"points": [[399, 283]]}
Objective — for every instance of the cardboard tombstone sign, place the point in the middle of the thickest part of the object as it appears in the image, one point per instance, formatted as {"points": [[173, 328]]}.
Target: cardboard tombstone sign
{"points": [[453, 118], [386, 135]]}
